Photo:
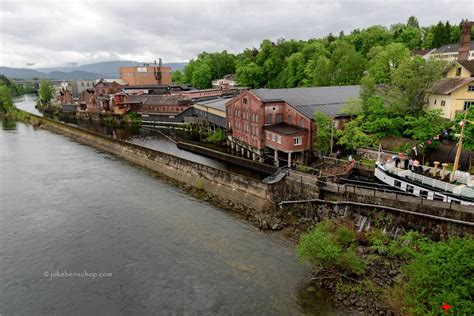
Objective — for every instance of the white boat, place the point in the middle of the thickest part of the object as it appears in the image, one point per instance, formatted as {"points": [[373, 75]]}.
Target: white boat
{"points": [[419, 184]]}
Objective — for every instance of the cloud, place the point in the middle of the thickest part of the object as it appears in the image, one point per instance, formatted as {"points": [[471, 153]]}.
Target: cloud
{"points": [[55, 33]]}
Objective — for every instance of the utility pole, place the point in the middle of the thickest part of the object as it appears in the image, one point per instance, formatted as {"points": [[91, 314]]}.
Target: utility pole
{"points": [[332, 136], [459, 149]]}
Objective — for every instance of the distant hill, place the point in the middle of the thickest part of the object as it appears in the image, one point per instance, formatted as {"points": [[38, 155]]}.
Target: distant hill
{"points": [[75, 75], [21, 73], [108, 69]]}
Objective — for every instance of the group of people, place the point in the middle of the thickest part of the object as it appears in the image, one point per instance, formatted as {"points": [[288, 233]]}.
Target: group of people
{"points": [[407, 163]]}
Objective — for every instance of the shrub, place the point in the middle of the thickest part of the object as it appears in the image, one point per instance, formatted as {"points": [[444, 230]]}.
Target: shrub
{"points": [[217, 136], [441, 272], [331, 247]]}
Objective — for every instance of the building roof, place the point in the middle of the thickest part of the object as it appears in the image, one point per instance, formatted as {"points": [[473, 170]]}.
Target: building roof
{"points": [[218, 104], [307, 101], [446, 86], [285, 129], [159, 86], [420, 52], [119, 81], [151, 99], [468, 64], [450, 48]]}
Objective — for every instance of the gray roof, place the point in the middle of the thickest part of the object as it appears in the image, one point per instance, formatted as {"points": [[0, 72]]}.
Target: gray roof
{"points": [[284, 129], [307, 101], [218, 104], [450, 48]]}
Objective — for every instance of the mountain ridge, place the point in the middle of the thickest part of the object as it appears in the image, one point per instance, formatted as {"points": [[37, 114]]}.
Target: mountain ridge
{"points": [[109, 69]]}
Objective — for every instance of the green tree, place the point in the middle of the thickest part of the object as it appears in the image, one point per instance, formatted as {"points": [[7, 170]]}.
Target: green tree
{"points": [[45, 91], [250, 75], [323, 133], [413, 22], [177, 77], [468, 140], [410, 83], [295, 69], [385, 59], [202, 76], [6, 101], [347, 65]]}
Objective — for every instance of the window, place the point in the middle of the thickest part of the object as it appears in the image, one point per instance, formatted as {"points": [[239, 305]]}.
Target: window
{"points": [[289, 120], [458, 72], [443, 102], [467, 104], [269, 119], [269, 135], [256, 117], [398, 184], [410, 188], [302, 122], [82, 84], [435, 101], [278, 139], [253, 117], [274, 137], [244, 101], [297, 140], [278, 118], [470, 88]]}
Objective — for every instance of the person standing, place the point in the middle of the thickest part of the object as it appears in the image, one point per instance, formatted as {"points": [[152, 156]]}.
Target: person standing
{"points": [[410, 164], [406, 162]]}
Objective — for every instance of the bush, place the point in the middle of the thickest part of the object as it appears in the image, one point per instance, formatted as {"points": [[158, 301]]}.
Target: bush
{"points": [[331, 247], [441, 272], [217, 136]]}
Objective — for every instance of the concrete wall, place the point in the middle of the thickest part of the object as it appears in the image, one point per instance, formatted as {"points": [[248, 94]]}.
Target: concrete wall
{"points": [[227, 185]]}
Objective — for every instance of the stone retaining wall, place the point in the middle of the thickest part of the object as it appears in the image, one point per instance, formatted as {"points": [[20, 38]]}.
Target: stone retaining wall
{"points": [[239, 189]]}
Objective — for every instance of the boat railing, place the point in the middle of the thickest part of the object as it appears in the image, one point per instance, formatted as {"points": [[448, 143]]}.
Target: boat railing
{"points": [[459, 190]]}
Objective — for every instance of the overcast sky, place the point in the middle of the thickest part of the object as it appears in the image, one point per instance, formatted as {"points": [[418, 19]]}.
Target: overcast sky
{"points": [[55, 33]]}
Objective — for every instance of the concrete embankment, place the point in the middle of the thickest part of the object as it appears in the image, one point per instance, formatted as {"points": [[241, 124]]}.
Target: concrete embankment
{"points": [[233, 187]]}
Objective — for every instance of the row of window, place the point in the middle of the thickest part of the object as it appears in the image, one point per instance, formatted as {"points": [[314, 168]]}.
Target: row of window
{"points": [[298, 140], [279, 119], [245, 115]]}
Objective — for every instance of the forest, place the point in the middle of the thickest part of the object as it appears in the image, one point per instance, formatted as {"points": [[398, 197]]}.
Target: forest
{"points": [[332, 60]]}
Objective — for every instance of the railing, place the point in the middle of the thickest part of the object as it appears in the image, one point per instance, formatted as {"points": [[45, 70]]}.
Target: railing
{"points": [[441, 185]]}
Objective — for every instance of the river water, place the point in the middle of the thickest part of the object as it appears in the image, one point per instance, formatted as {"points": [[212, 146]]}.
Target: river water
{"points": [[69, 212]]}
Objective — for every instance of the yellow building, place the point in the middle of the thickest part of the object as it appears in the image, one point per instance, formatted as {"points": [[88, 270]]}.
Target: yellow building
{"points": [[455, 93]]}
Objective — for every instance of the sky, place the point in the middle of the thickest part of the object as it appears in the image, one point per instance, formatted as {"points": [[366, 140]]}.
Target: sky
{"points": [[40, 33]]}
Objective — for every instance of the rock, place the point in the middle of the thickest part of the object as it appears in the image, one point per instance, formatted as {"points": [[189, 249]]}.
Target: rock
{"points": [[398, 279], [275, 226]]}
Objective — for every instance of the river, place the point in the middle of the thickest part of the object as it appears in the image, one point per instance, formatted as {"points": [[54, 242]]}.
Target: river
{"points": [[69, 212]]}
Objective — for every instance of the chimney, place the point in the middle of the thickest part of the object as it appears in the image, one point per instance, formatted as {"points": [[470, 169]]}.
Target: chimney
{"points": [[465, 41]]}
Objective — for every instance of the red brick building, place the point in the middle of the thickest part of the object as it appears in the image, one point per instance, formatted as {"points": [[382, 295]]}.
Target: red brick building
{"points": [[151, 104], [280, 122]]}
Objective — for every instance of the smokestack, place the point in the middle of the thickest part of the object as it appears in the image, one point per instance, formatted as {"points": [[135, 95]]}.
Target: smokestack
{"points": [[465, 41]]}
